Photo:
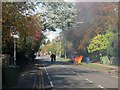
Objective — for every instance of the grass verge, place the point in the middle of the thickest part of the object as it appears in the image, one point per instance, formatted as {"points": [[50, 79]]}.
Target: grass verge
{"points": [[64, 60], [95, 66], [101, 68]]}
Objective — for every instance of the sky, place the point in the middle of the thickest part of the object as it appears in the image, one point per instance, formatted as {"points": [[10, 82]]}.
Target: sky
{"points": [[52, 34], [49, 34], [70, 0]]}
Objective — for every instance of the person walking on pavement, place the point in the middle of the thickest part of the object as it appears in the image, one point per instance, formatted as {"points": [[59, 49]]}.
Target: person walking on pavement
{"points": [[54, 57]]}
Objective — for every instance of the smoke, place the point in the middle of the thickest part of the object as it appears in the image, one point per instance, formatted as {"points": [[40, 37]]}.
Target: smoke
{"points": [[75, 35]]}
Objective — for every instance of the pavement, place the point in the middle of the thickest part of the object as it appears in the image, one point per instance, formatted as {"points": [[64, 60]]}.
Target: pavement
{"points": [[25, 79]]}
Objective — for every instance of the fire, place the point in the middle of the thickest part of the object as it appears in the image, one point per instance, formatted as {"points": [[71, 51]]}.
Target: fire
{"points": [[78, 59]]}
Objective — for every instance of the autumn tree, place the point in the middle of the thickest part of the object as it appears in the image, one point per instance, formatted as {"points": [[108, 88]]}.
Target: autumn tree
{"points": [[97, 18], [19, 14]]}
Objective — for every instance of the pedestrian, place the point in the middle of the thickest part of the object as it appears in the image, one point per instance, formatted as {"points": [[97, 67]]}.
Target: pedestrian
{"points": [[52, 56]]}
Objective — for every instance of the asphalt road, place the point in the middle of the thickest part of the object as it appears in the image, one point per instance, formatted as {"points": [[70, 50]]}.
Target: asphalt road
{"points": [[59, 75]]}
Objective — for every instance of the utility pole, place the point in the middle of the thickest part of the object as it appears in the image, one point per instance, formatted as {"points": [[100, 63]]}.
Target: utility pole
{"points": [[65, 46]]}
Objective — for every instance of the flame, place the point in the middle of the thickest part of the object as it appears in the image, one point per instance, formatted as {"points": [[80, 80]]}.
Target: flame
{"points": [[78, 59]]}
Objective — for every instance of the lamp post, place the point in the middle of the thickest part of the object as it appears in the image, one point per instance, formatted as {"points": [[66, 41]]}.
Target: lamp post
{"points": [[65, 42], [61, 46], [65, 46], [15, 35]]}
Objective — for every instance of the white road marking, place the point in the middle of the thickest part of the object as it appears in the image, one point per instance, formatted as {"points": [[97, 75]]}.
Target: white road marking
{"points": [[48, 77], [68, 69], [79, 75], [51, 83], [47, 73], [40, 68], [100, 86], [69, 81], [23, 75], [45, 69], [73, 72], [88, 80]]}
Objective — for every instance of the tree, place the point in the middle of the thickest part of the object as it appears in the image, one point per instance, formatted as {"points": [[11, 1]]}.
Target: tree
{"points": [[58, 15], [29, 26], [97, 18], [104, 13], [112, 49], [54, 46], [100, 42]]}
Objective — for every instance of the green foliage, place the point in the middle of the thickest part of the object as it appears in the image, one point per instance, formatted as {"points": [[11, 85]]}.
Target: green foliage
{"points": [[112, 46], [105, 60], [100, 42], [95, 58], [58, 14], [53, 47]]}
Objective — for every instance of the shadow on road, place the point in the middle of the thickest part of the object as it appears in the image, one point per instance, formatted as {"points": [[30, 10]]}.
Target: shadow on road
{"points": [[48, 62], [71, 66]]}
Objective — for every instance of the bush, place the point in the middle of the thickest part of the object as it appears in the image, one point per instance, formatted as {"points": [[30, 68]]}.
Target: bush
{"points": [[104, 60], [95, 58]]}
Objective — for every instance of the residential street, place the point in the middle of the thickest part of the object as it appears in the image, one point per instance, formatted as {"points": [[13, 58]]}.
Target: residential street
{"points": [[59, 75], [66, 45], [65, 75]]}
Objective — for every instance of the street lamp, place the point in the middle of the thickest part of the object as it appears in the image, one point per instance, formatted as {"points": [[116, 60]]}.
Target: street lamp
{"points": [[65, 43], [65, 48], [15, 35]]}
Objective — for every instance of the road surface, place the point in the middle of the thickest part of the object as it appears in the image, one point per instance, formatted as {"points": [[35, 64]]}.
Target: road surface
{"points": [[59, 75]]}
